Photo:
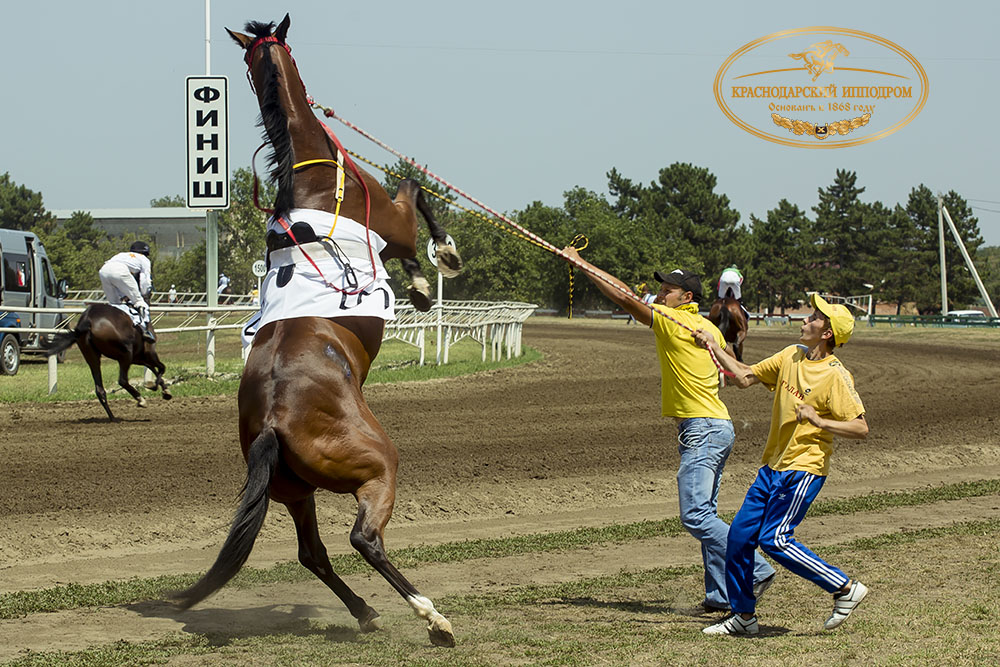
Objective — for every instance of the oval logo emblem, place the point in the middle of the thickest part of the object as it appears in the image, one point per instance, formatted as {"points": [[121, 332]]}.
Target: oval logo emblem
{"points": [[821, 87]]}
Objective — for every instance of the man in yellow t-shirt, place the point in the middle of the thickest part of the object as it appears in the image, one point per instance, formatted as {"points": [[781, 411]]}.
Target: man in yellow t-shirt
{"points": [[690, 394], [814, 400]]}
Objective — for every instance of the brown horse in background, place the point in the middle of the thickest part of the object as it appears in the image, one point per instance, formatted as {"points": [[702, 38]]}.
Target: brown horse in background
{"points": [[304, 423], [727, 314], [104, 330]]}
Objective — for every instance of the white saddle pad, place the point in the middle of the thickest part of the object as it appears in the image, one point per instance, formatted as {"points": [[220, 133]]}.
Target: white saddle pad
{"points": [[128, 311], [331, 278]]}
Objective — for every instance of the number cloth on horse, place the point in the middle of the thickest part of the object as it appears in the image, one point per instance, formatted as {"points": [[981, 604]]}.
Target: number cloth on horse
{"points": [[346, 284]]}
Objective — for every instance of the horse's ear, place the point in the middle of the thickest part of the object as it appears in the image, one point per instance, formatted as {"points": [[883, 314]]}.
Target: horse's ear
{"points": [[283, 29], [243, 40]]}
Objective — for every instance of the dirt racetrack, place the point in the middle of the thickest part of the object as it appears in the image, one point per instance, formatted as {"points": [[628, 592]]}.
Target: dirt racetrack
{"points": [[575, 439]]}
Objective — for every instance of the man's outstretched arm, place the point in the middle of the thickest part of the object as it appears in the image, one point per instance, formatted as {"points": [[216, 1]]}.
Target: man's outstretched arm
{"points": [[628, 301], [743, 375]]}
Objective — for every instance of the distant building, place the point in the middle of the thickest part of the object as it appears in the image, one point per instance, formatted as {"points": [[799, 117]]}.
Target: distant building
{"points": [[173, 230]]}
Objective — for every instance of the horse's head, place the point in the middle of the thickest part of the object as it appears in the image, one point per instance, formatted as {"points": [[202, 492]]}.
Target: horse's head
{"points": [[280, 94], [260, 33]]}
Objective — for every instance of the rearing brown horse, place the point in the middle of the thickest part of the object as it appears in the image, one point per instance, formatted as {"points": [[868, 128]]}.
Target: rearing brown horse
{"points": [[304, 423], [727, 314]]}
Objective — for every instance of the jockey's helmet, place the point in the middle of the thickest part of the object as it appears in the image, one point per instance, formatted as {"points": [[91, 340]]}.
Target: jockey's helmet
{"points": [[140, 247]]}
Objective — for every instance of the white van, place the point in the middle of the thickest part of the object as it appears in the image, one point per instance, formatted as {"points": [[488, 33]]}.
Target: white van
{"points": [[27, 280], [966, 314]]}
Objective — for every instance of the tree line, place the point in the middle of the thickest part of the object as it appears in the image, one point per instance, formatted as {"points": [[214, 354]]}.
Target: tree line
{"points": [[844, 245]]}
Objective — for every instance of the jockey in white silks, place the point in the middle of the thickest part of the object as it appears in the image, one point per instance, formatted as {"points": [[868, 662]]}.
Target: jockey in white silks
{"points": [[730, 281], [126, 277]]}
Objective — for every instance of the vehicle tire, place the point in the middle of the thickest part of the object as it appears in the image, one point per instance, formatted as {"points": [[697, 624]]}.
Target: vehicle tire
{"points": [[10, 355]]}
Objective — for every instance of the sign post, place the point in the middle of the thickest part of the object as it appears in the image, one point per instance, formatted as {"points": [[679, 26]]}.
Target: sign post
{"points": [[432, 256], [259, 269], [207, 100]]}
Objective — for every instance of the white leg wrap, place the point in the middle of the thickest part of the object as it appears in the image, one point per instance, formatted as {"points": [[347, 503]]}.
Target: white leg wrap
{"points": [[423, 607]]}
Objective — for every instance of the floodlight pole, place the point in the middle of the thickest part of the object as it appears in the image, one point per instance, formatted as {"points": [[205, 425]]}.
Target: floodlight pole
{"points": [[968, 261], [944, 274]]}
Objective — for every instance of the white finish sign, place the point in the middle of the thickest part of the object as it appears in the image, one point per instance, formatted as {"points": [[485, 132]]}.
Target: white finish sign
{"points": [[207, 142]]}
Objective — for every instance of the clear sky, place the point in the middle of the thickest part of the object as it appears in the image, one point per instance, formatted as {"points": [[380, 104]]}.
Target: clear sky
{"points": [[513, 102]]}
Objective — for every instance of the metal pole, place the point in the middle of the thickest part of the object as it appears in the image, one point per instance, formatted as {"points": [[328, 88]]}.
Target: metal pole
{"points": [[440, 307], [53, 374], [969, 264], [208, 38], [944, 275], [211, 283]]}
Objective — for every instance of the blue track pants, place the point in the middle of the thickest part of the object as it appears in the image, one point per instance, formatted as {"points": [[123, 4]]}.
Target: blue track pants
{"points": [[775, 504]]}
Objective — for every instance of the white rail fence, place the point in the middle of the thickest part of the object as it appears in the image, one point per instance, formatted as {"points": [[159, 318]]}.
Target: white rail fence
{"points": [[494, 325]]}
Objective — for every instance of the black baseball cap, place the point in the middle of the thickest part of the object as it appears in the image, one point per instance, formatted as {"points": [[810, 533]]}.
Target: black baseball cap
{"points": [[690, 282]]}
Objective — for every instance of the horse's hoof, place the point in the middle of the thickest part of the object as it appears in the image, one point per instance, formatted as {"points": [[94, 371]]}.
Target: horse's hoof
{"points": [[371, 621], [420, 294], [167, 396], [440, 632], [141, 402], [449, 261]]}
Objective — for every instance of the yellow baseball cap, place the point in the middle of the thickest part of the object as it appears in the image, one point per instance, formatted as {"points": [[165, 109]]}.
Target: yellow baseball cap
{"points": [[841, 320]]}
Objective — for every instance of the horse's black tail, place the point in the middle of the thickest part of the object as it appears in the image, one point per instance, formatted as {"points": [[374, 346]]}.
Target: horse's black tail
{"points": [[262, 460], [63, 341]]}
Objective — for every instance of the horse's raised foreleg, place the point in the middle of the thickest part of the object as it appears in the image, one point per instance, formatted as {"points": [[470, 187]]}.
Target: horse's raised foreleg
{"points": [[158, 369], [375, 501], [94, 361], [123, 382], [313, 556]]}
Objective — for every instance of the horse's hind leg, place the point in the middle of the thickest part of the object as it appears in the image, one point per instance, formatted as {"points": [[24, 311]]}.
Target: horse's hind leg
{"points": [[312, 555], [375, 500], [94, 361], [123, 382]]}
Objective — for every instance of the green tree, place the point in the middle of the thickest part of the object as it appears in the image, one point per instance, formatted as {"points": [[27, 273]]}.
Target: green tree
{"points": [[77, 249], [682, 211], [242, 230], [168, 201], [902, 260], [779, 273], [842, 260], [21, 208]]}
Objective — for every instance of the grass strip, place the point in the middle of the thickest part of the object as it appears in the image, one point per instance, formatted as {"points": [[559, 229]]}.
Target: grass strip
{"points": [[72, 596], [543, 641], [533, 594]]}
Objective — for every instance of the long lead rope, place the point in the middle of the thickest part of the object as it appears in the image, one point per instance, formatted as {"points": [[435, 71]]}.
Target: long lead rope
{"points": [[330, 113]]}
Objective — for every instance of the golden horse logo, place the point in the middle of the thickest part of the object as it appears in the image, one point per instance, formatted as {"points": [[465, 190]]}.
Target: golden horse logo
{"points": [[820, 58]]}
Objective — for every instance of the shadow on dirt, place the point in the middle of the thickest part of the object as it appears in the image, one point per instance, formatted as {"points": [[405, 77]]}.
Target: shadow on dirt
{"points": [[222, 626]]}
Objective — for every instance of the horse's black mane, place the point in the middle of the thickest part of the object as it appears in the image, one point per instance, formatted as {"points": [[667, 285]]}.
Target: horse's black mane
{"points": [[274, 120], [259, 29]]}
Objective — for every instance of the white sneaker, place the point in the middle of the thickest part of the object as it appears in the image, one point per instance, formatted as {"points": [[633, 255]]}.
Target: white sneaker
{"points": [[844, 604], [734, 625], [761, 586]]}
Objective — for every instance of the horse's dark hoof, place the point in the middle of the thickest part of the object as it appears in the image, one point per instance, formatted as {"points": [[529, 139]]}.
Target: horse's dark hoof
{"points": [[420, 294], [370, 621], [167, 396]]}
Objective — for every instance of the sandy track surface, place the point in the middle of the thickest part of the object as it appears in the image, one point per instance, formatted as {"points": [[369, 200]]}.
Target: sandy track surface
{"points": [[573, 440]]}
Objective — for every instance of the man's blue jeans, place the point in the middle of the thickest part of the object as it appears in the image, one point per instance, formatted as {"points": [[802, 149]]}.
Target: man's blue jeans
{"points": [[705, 445]]}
